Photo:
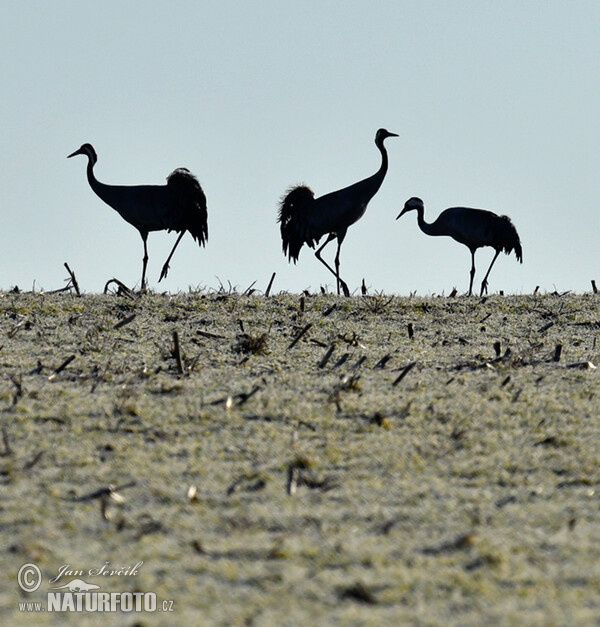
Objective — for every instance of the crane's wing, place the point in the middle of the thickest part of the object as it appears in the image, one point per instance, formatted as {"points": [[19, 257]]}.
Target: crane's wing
{"points": [[507, 237], [480, 227], [189, 205], [295, 213]]}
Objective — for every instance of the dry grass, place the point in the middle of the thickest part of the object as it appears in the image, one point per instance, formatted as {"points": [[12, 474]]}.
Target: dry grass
{"points": [[410, 460]]}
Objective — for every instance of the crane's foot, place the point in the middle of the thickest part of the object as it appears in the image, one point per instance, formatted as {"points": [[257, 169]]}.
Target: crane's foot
{"points": [[484, 287], [164, 272], [344, 288]]}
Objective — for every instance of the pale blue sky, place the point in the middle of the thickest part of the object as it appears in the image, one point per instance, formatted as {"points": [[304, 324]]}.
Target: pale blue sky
{"points": [[496, 104]]}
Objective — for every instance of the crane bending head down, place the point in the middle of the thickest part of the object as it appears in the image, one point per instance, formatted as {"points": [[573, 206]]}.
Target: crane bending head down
{"points": [[472, 227]]}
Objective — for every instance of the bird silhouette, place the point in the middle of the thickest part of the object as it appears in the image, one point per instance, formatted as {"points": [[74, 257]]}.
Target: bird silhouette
{"points": [[472, 227], [180, 206], [77, 585], [305, 219]]}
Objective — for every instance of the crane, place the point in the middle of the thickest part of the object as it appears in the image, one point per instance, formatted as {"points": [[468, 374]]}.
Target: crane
{"points": [[305, 219], [472, 227], [180, 206]]}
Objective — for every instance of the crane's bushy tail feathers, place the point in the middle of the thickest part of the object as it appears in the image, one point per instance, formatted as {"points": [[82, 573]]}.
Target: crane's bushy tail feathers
{"points": [[293, 216], [508, 238], [190, 204]]}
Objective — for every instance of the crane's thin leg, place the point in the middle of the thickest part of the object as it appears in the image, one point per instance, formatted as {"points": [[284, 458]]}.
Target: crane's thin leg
{"points": [[165, 268], [144, 260], [331, 237], [472, 272], [484, 283], [337, 267]]}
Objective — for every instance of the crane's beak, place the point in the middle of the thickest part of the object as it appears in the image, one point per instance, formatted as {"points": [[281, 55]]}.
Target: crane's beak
{"points": [[392, 134], [402, 212], [77, 152]]}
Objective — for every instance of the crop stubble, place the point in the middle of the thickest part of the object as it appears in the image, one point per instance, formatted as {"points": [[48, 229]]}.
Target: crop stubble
{"points": [[307, 457]]}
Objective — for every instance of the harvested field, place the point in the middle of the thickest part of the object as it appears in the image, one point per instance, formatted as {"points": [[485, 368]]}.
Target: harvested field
{"points": [[305, 458]]}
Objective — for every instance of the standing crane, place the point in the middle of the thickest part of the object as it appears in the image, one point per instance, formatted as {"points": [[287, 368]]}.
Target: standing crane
{"points": [[305, 219], [180, 205], [472, 227]]}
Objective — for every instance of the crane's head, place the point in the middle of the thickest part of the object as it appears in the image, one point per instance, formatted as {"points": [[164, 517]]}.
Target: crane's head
{"points": [[88, 150], [383, 134], [412, 204]]}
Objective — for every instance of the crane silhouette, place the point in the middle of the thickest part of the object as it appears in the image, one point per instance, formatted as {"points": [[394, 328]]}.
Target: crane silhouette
{"points": [[180, 206], [305, 219], [472, 227]]}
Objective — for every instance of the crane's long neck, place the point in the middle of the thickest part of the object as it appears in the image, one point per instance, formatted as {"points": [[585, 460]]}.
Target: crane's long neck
{"points": [[377, 178], [102, 190], [364, 190], [92, 180], [426, 227]]}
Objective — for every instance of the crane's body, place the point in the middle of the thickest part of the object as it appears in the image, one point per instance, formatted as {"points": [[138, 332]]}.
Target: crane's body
{"points": [[305, 219], [180, 205], [474, 228], [147, 207]]}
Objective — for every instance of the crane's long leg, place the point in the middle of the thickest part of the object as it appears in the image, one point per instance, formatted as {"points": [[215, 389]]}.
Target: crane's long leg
{"points": [[144, 260], [330, 237], [484, 283], [165, 268], [472, 273], [339, 281], [337, 267]]}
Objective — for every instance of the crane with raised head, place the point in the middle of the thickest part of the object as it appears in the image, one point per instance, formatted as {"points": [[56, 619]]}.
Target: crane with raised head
{"points": [[180, 206], [305, 219], [472, 227]]}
